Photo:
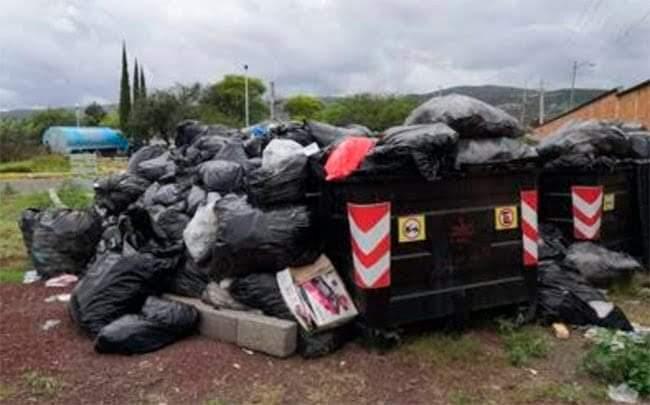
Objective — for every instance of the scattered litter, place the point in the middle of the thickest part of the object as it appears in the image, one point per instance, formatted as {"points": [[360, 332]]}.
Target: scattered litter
{"points": [[31, 277], [50, 323], [532, 371], [560, 330], [58, 298], [237, 366], [247, 351], [63, 280], [623, 394]]}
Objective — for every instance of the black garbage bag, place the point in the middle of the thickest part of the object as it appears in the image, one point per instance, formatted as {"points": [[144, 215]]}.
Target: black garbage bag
{"points": [[116, 192], [492, 151], [565, 296], [297, 132], [261, 291], [552, 244], [161, 323], [428, 144], [195, 198], [470, 117], [169, 222], [218, 296], [117, 285], [639, 144], [394, 160], [204, 148], [170, 194], [588, 138], [188, 131], [222, 176], [189, 280], [64, 241], [160, 169], [254, 146], [28, 220], [600, 266], [250, 240], [326, 135], [583, 162], [284, 183], [232, 151], [143, 154]]}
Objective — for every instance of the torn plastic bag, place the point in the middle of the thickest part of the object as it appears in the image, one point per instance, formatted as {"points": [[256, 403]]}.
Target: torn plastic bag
{"points": [[200, 234], [222, 176], [160, 169], [28, 220], [64, 241], [195, 198], [261, 291], [188, 131], [552, 244], [326, 135], [251, 240], [282, 183], [491, 151], [279, 149], [599, 265], [565, 296], [143, 154], [218, 296], [115, 286], [591, 138], [470, 117], [116, 192], [189, 279], [161, 323], [347, 157]]}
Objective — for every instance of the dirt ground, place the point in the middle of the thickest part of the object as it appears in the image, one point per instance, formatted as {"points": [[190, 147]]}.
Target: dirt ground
{"points": [[59, 366]]}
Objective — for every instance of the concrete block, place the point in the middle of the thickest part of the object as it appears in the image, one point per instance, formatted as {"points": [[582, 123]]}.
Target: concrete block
{"points": [[260, 333], [269, 335]]}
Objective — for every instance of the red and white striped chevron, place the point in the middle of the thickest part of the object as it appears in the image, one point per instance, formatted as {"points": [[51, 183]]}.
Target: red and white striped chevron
{"points": [[370, 239], [529, 227], [587, 211]]}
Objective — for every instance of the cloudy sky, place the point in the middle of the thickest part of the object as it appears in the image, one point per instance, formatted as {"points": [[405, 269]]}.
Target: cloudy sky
{"points": [[62, 52]]}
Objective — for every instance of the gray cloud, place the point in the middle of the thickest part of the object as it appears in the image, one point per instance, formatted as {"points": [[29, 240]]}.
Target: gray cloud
{"points": [[62, 52]]}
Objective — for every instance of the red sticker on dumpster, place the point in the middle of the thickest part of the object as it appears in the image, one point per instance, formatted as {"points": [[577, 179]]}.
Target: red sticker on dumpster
{"points": [[370, 240]]}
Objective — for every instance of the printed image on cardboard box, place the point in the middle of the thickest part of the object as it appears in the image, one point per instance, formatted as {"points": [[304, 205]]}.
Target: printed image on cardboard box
{"points": [[316, 296]]}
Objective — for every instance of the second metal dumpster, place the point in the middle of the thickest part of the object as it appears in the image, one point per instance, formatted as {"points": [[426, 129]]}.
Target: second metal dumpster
{"points": [[415, 250]]}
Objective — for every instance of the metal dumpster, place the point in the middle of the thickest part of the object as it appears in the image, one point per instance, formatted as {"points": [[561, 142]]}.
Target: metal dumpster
{"points": [[454, 246], [617, 214]]}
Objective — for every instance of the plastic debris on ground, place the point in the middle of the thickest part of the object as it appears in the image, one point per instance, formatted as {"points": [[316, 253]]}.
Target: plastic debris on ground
{"points": [[58, 298], [623, 394], [599, 265], [218, 296], [31, 276], [63, 280], [50, 323]]}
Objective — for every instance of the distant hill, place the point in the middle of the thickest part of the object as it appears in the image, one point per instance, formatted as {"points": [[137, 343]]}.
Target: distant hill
{"points": [[27, 112], [510, 99]]}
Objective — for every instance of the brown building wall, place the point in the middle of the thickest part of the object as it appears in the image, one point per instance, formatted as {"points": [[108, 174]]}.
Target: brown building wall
{"points": [[633, 105]]}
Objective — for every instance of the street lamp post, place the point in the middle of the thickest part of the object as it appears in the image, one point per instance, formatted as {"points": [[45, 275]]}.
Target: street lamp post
{"points": [[576, 66], [247, 118]]}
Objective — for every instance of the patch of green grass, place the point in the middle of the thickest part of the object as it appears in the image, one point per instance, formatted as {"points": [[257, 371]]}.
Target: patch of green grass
{"points": [[6, 392], [42, 385], [75, 197], [523, 344], [50, 163], [12, 275], [462, 398], [617, 358], [443, 349], [560, 393]]}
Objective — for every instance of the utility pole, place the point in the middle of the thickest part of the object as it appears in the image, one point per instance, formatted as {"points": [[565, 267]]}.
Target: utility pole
{"points": [[77, 113], [247, 119], [524, 97], [541, 101], [574, 73], [272, 101]]}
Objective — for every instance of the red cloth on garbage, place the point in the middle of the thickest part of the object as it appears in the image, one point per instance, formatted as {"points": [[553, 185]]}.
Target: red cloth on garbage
{"points": [[347, 157]]}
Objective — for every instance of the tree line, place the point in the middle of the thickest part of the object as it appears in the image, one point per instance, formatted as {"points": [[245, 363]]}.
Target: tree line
{"points": [[142, 115]]}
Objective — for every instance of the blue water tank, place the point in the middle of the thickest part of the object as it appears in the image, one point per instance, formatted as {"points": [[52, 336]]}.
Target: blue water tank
{"points": [[84, 139]]}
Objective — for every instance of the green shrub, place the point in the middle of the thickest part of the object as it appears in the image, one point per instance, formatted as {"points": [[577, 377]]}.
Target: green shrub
{"points": [[522, 344]]}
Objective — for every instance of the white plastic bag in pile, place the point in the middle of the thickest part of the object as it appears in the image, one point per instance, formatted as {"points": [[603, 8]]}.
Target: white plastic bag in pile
{"points": [[201, 232]]}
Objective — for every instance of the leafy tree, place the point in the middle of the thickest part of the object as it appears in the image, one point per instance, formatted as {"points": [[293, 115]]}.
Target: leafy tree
{"points": [[51, 117], [377, 112], [136, 82], [143, 85], [303, 107], [125, 93], [111, 120], [226, 99], [94, 114]]}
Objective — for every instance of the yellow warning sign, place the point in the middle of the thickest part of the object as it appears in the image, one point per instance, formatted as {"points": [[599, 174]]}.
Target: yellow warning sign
{"points": [[609, 202], [506, 218], [412, 228]]}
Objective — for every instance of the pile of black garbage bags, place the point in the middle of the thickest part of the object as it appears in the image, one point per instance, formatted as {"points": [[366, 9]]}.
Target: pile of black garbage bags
{"points": [[217, 215]]}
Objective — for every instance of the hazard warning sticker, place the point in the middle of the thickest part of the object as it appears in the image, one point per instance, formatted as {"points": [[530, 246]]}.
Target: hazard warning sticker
{"points": [[609, 202], [506, 218], [412, 228]]}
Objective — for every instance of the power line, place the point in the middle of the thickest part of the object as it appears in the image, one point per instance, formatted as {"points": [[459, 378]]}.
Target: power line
{"points": [[625, 31]]}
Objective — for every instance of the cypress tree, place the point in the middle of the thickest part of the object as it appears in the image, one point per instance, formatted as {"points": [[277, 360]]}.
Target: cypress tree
{"points": [[136, 83], [125, 92], [143, 85]]}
